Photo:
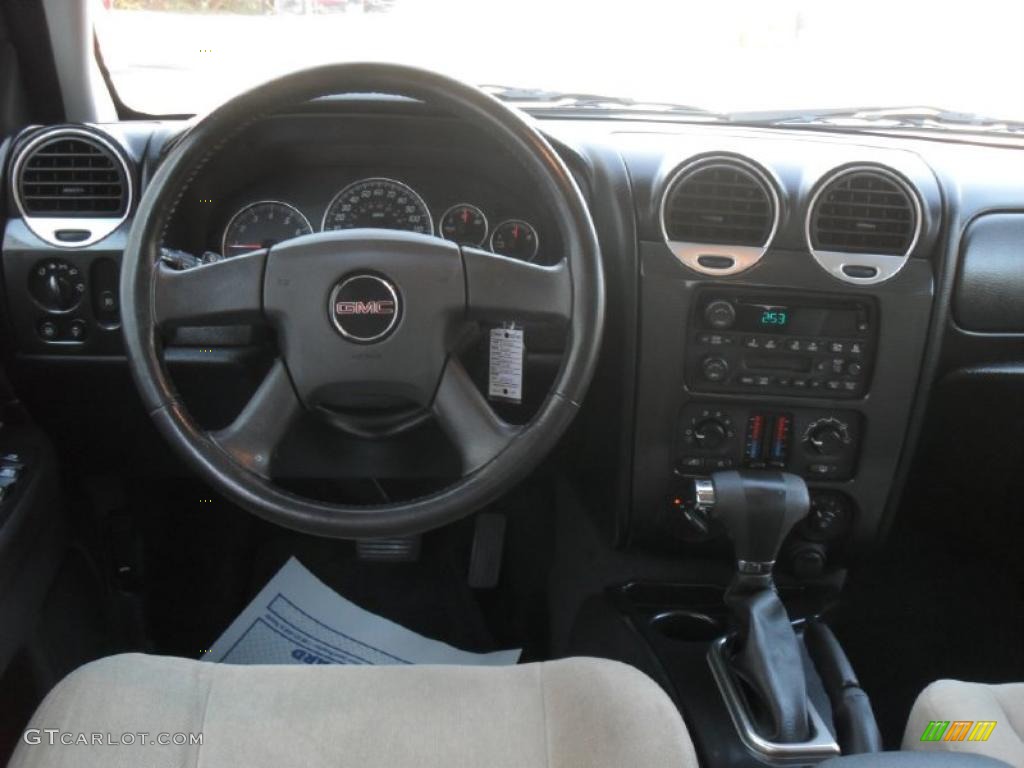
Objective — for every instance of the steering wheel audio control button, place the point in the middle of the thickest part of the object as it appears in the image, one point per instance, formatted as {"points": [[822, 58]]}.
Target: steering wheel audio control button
{"points": [[364, 308]]}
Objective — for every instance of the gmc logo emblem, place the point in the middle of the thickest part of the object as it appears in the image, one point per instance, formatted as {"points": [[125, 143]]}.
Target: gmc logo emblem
{"points": [[383, 307]]}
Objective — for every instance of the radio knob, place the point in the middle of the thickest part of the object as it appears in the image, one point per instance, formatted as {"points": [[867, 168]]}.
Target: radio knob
{"points": [[720, 314], [715, 369], [827, 437], [709, 434]]}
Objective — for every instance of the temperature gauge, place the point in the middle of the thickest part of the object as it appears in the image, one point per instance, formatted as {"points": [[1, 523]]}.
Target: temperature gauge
{"points": [[464, 224], [515, 238]]}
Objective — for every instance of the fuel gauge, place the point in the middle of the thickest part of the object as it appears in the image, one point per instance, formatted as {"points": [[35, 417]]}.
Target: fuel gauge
{"points": [[515, 238], [464, 224]]}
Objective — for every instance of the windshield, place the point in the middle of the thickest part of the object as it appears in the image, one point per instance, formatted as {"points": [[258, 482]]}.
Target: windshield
{"points": [[187, 56]]}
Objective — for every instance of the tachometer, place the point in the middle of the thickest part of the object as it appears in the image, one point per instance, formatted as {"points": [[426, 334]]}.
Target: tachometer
{"points": [[515, 238], [261, 225], [464, 224], [378, 204]]}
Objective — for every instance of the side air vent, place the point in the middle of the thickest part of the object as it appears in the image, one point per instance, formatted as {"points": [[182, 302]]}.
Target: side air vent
{"points": [[719, 214], [863, 223], [72, 187]]}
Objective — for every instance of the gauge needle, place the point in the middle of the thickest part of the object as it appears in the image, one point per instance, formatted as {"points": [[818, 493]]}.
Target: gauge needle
{"points": [[244, 245]]}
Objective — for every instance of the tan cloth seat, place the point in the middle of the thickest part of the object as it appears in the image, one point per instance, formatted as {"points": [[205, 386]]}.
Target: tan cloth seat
{"points": [[584, 713], [953, 700]]}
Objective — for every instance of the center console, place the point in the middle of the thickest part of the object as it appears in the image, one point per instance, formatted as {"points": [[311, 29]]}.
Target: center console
{"points": [[779, 369]]}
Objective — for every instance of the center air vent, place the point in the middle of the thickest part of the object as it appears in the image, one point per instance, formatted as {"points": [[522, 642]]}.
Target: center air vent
{"points": [[863, 223], [72, 187], [719, 214]]}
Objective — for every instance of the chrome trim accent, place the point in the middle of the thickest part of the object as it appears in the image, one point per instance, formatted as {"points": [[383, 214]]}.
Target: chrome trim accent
{"points": [[244, 208], [753, 568], [536, 237], [347, 187], [351, 336], [46, 227], [487, 224], [704, 493], [821, 745], [743, 256], [887, 265]]}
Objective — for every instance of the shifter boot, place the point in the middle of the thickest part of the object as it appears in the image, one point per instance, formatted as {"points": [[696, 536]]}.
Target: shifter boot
{"points": [[766, 656]]}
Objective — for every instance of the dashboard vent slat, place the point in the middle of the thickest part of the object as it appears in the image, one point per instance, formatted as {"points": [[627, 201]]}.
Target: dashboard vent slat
{"points": [[864, 211], [719, 201], [72, 175]]}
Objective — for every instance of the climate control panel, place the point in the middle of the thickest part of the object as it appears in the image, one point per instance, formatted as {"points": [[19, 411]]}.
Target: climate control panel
{"points": [[817, 444]]}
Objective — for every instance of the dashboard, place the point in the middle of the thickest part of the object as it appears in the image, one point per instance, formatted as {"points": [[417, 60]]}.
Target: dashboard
{"points": [[269, 186], [776, 298]]}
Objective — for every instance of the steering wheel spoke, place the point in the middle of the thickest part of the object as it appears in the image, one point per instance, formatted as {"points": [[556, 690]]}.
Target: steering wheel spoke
{"points": [[499, 288], [469, 421], [257, 431], [225, 292]]}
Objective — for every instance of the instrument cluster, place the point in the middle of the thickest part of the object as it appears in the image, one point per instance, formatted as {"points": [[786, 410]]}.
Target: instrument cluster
{"points": [[378, 203]]}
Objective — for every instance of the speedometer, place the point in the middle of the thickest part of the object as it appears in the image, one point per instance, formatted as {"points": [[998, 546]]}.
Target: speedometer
{"points": [[378, 204]]}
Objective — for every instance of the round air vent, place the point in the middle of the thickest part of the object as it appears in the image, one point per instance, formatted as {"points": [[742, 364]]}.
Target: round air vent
{"points": [[719, 214], [72, 187], [863, 224]]}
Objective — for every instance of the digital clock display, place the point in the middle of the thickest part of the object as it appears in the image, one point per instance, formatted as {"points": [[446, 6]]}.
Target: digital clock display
{"points": [[774, 317]]}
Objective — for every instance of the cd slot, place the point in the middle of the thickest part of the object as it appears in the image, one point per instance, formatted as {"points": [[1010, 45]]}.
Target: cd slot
{"points": [[778, 363]]}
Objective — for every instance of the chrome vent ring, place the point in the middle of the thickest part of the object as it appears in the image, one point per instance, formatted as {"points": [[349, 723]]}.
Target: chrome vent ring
{"points": [[719, 214]]}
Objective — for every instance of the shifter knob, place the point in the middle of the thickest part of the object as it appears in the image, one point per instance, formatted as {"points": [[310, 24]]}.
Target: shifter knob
{"points": [[758, 509]]}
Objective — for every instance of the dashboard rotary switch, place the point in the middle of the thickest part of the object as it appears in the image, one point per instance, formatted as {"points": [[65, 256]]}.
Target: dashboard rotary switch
{"points": [[827, 437], [57, 285], [709, 434], [720, 314]]}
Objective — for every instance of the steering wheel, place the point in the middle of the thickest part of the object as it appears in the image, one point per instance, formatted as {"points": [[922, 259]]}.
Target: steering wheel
{"points": [[360, 313]]}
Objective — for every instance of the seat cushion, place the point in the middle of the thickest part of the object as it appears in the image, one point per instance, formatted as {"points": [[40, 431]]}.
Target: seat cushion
{"points": [[588, 713], [953, 700]]}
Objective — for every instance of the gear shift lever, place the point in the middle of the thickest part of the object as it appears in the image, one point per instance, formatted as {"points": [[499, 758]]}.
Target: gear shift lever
{"points": [[758, 509]]}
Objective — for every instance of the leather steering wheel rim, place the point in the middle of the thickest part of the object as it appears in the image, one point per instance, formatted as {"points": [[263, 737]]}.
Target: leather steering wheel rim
{"points": [[234, 473]]}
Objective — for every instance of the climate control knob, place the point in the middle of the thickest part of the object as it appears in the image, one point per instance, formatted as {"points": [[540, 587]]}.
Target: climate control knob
{"points": [[709, 434], [720, 314], [827, 437]]}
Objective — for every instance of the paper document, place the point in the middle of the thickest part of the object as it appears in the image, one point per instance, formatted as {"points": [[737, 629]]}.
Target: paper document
{"points": [[297, 619]]}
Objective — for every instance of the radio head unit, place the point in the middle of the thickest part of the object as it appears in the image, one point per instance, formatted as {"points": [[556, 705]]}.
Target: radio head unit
{"points": [[802, 345]]}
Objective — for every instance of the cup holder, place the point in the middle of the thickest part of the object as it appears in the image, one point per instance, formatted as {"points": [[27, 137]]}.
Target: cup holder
{"points": [[688, 626]]}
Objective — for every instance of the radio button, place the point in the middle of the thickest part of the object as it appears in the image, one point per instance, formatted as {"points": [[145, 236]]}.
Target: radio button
{"points": [[715, 369], [771, 344], [752, 342], [855, 348], [836, 347], [812, 346], [793, 345]]}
